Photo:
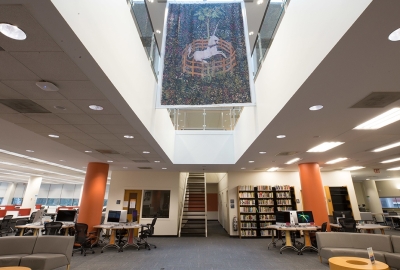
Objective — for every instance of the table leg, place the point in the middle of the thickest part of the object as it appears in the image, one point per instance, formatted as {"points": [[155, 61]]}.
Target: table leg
{"points": [[382, 231], [35, 232], [288, 244], [273, 242], [112, 242], [22, 232], [66, 231], [307, 243], [131, 241]]}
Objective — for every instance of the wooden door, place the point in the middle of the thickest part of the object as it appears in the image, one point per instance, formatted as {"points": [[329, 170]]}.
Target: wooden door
{"points": [[134, 199]]}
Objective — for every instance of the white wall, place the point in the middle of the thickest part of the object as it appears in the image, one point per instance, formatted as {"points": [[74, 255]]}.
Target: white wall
{"points": [[122, 180], [388, 188], [3, 188], [222, 201], [19, 190], [31, 193], [212, 188], [358, 188]]}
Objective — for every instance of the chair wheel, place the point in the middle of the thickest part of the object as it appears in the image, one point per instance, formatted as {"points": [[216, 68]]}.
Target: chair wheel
{"points": [[101, 251], [155, 247]]}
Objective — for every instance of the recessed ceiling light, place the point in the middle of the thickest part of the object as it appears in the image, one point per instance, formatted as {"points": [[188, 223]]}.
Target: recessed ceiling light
{"points": [[281, 136], [292, 161], [164, 168], [394, 169], [390, 160], [62, 160], [386, 147], [325, 146], [395, 35], [251, 33], [353, 168], [157, 161], [381, 120], [315, 107], [273, 169], [30, 151], [262, 152], [125, 167], [60, 108], [333, 161], [367, 179], [96, 107], [88, 151], [158, 31], [251, 161], [151, 1], [146, 152], [54, 136], [243, 168], [47, 86], [128, 136], [110, 161], [12, 31]]}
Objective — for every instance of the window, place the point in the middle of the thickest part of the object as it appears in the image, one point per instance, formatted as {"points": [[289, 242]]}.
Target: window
{"points": [[53, 201], [1, 200], [105, 202], [156, 202], [75, 202], [393, 202], [41, 201], [16, 201]]}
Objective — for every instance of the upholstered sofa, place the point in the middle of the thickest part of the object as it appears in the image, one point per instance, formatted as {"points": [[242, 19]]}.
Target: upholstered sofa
{"points": [[37, 253], [386, 248]]}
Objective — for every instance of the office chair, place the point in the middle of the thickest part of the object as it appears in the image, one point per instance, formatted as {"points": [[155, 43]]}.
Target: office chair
{"points": [[323, 226], [313, 236], [20, 222], [83, 241], [120, 234], [145, 232], [348, 224], [5, 225], [52, 228], [32, 217]]}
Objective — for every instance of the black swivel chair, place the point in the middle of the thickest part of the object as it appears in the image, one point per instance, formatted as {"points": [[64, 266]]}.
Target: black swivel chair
{"points": [[348, 224], [145, 232], [52, 228], [20, 222], [323, 226], [82, 240], [5, 225], [32, 217]]}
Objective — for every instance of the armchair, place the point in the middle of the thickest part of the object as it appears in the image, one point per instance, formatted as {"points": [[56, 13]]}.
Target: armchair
{"points": [[145, 232]]}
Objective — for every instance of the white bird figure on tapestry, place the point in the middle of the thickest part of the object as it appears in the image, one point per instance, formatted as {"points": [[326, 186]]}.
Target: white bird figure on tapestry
{"points": [[211, 50]]}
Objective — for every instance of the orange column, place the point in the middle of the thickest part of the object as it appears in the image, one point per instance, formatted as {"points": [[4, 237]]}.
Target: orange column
{"points": [[93, 192], [312, 192]]}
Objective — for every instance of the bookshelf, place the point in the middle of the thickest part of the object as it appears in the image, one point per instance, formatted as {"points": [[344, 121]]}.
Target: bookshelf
{"points": [[257, 207], [338, 199]]}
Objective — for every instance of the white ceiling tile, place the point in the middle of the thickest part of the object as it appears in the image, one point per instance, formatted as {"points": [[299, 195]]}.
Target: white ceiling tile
{"points": [[120, 129], [38, 128], [104, 136], [5, 109], [8, 93], [93, 129], [123, 149], [51, 66], [46, 118], [110, 119], [92, 143], [78, 135], [136, 142], [37, 38], [78, 90], [17, 118], [64, 129], [70, 108], [30, 90], [78, 119], [72, 143], [112, 142], [108, 108], [11, 69]]}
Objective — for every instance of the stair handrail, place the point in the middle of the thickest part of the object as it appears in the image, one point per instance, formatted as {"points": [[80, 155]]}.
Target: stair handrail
{"points": [[182, 205], [205, 201]]}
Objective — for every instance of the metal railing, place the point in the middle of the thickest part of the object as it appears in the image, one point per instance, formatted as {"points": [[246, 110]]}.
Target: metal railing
{"points": [[182, 206]]}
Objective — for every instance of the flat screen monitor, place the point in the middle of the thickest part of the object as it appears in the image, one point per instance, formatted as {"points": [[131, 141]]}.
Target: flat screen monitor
{"points": [[113, 216], [66, 215], [123, 218], [134, 215], [38, 216], [282, 217], [305, 217], [366, 216], [341, 214]]}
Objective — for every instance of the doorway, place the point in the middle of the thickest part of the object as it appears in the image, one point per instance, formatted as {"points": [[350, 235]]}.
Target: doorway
{"points": [[133, 205]]}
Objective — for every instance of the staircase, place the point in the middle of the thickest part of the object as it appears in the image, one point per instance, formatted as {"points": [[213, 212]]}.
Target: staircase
{"points": [[194, 215]]}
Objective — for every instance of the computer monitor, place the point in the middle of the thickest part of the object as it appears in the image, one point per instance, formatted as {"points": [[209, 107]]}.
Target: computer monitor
{"points": [[293, 217], [38, 216], [366, 216], [305, 217], [282, 218], [341, 214], [134, 215], [123, 218], [113, 216], [66, 215]]}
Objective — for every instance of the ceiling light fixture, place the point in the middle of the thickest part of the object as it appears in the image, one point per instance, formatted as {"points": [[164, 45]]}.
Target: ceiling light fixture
{"points": [[273, 169], [251, 33], [158, 31], [390, 160], [394, 169], [30, 151], [146, 152], [40, 170], [157, 161], [88, 151], [316, 108], [333, 161], [47, 86], [395, 35], [251, 161], [386, 147], [325, 146], [54, 136], [128, 136], [12, 31], [110, 161], [125, 167], [292, 161], [60, 108], [353, 168], [164, 168], [381, 120], [262, 152], [62, 160], [281, 136], [243, 168], [96, 107]]}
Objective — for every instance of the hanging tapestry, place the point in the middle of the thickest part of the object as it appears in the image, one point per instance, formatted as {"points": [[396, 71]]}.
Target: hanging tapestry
{"points": [[206, 60]]}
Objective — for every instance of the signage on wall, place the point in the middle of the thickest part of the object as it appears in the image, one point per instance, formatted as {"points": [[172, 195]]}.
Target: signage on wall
{"points": [[377, 170]]}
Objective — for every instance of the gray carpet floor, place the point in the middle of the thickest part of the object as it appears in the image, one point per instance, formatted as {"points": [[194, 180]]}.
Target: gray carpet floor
{"points": [[217, 251]]}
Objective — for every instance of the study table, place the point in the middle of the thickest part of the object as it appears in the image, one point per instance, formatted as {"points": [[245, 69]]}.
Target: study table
{"points": [[391, 218], [126, 226], [288, 230], [366, 227], [37, 228]]}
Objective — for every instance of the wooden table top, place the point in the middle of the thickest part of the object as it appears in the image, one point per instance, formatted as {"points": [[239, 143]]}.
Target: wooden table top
{"points": [[15, 268], [355, 263]]}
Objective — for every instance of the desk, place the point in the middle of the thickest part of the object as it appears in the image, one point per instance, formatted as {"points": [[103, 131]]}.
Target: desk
{"points": [[18, 217], [36, 228], [366, 227], [114, 228], [392, 217], [350, 263], [15, 268]]}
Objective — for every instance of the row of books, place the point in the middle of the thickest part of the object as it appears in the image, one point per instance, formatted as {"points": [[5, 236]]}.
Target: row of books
{"points": [[246, 195], [284, 187], [265, 195], [247, 202], [284, 202], [283, 195]]}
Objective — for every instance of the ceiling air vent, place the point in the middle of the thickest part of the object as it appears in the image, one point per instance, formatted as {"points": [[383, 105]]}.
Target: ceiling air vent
{"points": [[287, 153], [106, 151], [140, 161], [377, 100], [23, 106], [145, 168]]}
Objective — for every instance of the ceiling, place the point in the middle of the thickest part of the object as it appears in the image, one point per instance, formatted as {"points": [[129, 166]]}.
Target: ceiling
{"points": [[362, 62]]}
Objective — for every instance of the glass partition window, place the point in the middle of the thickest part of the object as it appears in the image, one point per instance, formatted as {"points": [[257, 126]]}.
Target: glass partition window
{"points": [[156, 202], [390, 202]]}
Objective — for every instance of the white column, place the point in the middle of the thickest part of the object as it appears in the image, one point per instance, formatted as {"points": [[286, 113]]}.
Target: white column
{"points": [[9, 194], [80, 196], [31, 192], [372, 198]]}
